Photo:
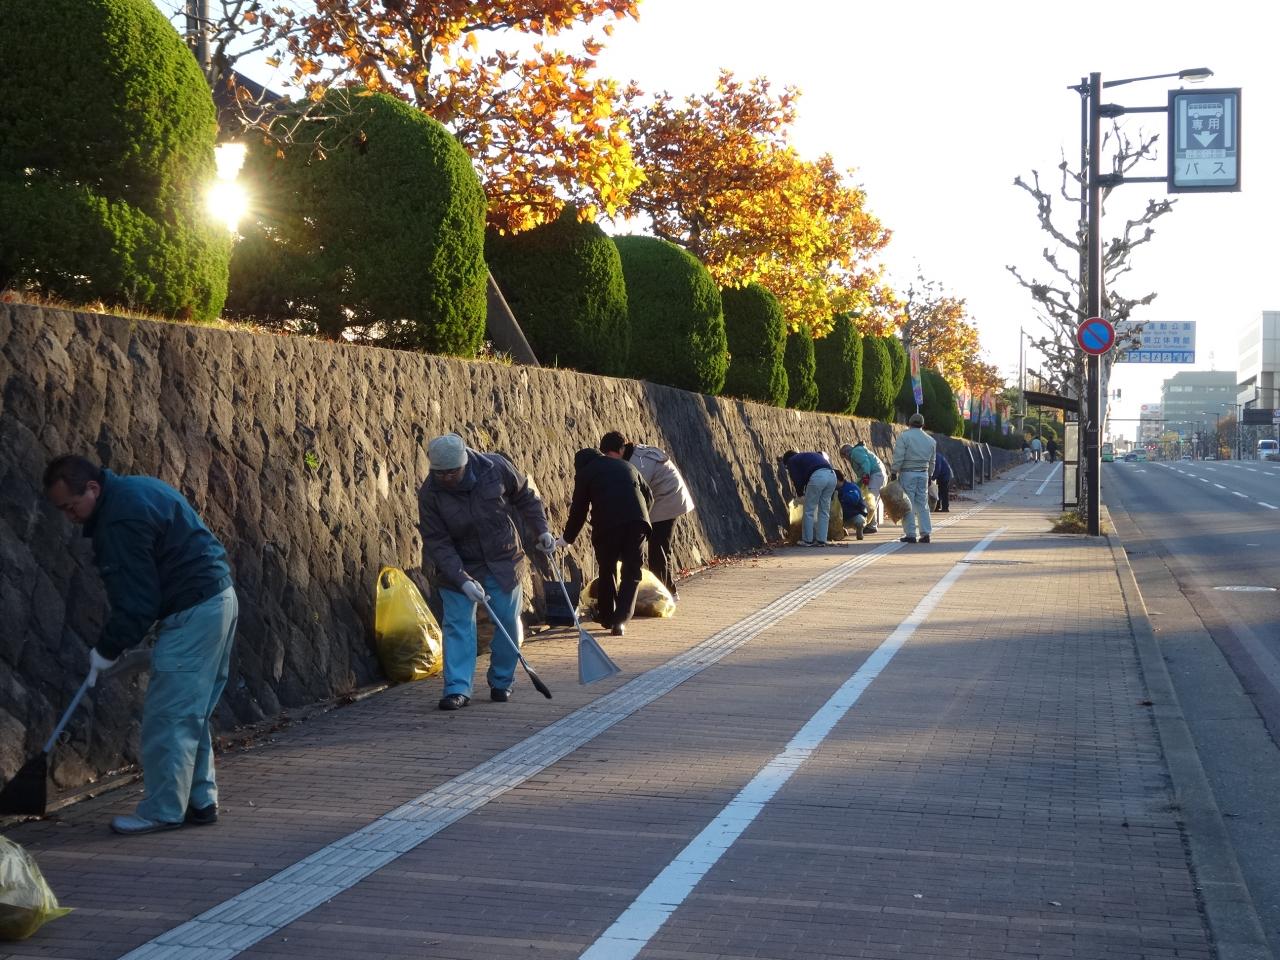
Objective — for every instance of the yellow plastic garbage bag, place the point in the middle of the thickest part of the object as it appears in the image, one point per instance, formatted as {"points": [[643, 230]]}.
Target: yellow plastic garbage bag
{"points": [[26, 902], [653, 599], [795, 520], [896, 502], [408, 639]]}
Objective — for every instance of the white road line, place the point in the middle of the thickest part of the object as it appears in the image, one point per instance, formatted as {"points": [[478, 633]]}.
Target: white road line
{"points": [[1267, 505], [1220, 486], [648, 912], [1202, 479], [1052, 470], [1237, 493], [233, 926]]}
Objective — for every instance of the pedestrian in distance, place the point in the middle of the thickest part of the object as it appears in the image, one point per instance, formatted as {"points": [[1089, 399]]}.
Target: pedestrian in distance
{"points": [[1026, 450], [1036, 449], [671, 499], [852, 506], [813, 477], [868, 469], [913, 458], [165, 574], [618, 500], [1052, 447], [470, 540], [942, 476]]}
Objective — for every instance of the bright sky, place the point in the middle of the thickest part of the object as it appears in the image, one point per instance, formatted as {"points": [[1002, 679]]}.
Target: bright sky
{"points": [[939, 105]]}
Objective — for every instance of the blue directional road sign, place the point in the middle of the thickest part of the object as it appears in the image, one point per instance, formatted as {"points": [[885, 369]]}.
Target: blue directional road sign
{"points": [[1096, 336]]}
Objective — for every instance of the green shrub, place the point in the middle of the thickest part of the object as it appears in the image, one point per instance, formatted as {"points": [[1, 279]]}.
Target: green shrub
{"points": [[901, 362], [564, 283], [939, 407], [107, 131], [382, 228], [677, 321], [838, 356], [800, 366], [878, 387], [940, 403], [757, 335]]}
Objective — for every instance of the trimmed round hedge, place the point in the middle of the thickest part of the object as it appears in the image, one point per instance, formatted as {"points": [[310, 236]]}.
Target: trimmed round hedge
{"points": [[107, 130], [378, 223], [756, 332], [798, 360], [564, 283], [939, 407], [839, 366], [677, 320], [878, 388], [901, 362]]}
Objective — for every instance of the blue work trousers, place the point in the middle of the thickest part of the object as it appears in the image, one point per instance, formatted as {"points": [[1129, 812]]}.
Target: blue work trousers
{"points": [[189, 668], [916, 485], [817, 505], [460, 637]]}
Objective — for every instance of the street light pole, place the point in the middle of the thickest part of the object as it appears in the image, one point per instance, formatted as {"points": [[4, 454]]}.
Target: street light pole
{"points": [[1091, 123], [1093, 378]]}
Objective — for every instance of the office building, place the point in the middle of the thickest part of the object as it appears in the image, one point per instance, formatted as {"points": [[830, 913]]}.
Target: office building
{"points": [[1259, 362], [1195, 400], [1150, 423]]}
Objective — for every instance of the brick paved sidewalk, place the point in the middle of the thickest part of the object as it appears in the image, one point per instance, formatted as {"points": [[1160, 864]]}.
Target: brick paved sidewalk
{"points": [[997, 790]]}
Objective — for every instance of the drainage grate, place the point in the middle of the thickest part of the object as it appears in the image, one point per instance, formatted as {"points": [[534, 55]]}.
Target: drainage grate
{"points": [[993, 563]]}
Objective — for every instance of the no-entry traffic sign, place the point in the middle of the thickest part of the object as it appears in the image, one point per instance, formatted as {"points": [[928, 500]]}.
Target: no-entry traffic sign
{"points": [[1096, 336]]}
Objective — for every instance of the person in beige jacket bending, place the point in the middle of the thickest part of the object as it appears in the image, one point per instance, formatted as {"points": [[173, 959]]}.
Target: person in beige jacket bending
{"points": [[913, 456]]}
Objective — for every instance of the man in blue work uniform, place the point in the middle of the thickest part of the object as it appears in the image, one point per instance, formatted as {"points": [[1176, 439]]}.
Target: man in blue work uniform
{"points": [[913, 456], [163, 570]]}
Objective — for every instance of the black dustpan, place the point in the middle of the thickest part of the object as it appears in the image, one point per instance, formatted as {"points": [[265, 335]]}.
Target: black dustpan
{"points": [[27, 793]]}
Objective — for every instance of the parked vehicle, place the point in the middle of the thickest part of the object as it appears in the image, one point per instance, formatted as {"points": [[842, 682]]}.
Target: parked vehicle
{"points": [[1269, 449]]}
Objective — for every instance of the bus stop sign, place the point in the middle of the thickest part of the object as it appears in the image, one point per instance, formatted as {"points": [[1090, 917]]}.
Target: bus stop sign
{"points": [[1096, 336]]}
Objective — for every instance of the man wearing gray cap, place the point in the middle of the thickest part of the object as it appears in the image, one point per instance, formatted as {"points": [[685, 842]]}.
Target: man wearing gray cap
{"points": [[913, 457], [469, 535]]}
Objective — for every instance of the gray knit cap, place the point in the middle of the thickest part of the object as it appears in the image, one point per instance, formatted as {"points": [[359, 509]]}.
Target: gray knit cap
{"points": [[447, 452]]}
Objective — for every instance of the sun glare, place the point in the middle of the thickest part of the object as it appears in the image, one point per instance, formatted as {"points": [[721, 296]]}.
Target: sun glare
{"points": [[227, 199]]}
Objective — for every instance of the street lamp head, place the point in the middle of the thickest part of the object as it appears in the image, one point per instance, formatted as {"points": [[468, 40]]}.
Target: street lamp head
{"points": [[1193, 74]]}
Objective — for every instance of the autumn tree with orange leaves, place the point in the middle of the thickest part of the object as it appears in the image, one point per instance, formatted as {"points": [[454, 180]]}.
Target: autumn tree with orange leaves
{"points": [[722, 181], [938, 325], [539, 126]]}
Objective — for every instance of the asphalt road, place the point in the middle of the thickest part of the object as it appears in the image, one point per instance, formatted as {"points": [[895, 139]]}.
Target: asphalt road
{"points": [[1204, 542]]}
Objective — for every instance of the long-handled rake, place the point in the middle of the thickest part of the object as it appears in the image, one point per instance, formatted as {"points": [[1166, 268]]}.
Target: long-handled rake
{"points": [[27, 794], [593, 663], [499, 628]]}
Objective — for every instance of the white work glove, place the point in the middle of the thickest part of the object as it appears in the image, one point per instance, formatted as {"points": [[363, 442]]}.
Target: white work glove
{"points": [[475, 593], [547, 543], [97, 663]]}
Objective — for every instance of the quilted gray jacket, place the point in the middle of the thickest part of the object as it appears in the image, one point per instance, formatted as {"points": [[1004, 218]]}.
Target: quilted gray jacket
{"points": [[473, 529]]}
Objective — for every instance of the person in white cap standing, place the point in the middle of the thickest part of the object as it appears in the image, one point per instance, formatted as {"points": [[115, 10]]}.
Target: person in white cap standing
{"points": [[469, 535], [913, 457]]}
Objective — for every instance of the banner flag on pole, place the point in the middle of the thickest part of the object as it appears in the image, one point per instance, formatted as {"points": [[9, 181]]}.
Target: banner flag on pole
{"points": [[916, 388]]}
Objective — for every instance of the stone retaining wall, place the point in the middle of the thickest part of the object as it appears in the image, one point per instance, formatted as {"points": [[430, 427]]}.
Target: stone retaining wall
{"points": [[304, 458]]}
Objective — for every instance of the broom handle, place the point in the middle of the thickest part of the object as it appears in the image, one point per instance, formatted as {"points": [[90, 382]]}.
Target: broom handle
{"points": [[75, 702], [563, 589]]}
